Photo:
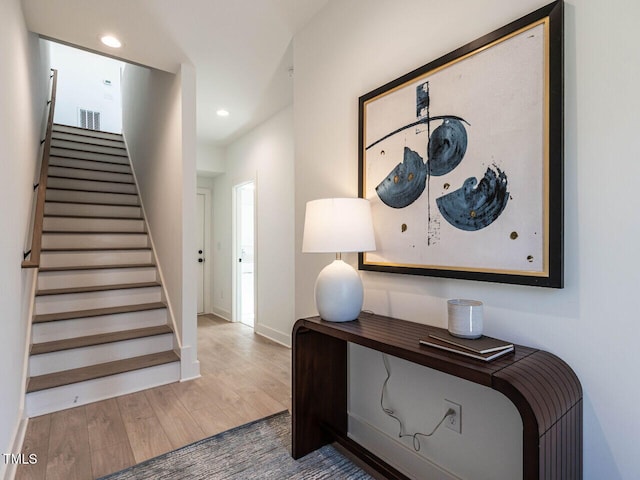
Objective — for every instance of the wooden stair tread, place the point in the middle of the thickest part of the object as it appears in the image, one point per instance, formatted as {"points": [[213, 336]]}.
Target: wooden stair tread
{"points": [[93, 160], [89, 191], [94, 203], [97, 288], [80, 142], [85, 159], [93, 249], [101, 339], [60, 127], [87, 169], [96, 267], [96, 312], [85, 138], [67, 377], [91, 232], [64, 177], [99, 217], [88, 147], [82, 150]]}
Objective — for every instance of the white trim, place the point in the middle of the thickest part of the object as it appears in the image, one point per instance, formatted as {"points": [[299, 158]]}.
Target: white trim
{"points": [[283, 339], [11, 469], [207, 247], [165, 296], [234, 249], [222, 313], [189, 363], [8, 472]]}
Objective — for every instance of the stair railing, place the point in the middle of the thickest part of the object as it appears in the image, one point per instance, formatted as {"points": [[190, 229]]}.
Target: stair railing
{"points": [[31, 257]]}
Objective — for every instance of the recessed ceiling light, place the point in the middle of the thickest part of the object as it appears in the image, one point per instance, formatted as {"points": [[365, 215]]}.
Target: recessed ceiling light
{"points": [[222, 113], [111, 41]]}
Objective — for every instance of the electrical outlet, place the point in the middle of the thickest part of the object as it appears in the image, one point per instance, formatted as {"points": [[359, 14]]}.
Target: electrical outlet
{"points": [[453, 422]]}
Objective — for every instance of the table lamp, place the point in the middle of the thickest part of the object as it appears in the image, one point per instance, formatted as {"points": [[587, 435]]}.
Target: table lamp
{"points": [[338, 225]]}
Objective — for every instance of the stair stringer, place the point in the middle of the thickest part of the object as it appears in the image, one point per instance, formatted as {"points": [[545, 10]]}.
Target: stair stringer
{"points": [[186, 353]]}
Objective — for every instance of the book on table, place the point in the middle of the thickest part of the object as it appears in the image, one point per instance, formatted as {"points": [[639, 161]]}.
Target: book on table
{"points": [[483, 344], [483, 348]]}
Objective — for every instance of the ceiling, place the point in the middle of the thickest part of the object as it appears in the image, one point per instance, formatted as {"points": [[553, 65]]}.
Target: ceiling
{"points": [[241, 49]]}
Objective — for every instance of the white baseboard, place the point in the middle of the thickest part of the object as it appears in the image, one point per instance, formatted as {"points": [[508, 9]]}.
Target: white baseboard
{"points": [[394, 452], [222, 313], [189, 365], [8, 470], [275, 335]]}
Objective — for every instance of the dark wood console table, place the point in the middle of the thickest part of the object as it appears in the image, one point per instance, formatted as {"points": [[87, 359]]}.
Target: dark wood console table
{"points": [[544, 389]]}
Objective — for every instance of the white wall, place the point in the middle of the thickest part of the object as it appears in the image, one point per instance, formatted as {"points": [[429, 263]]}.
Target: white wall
{"points": [[266, 156], [81, 84], [353, 47], [190, 363], [159, 127], [209, 160], [24, 73]]}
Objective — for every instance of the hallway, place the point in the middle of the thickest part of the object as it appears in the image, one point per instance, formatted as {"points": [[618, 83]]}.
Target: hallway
{"points": [[244, 377]]}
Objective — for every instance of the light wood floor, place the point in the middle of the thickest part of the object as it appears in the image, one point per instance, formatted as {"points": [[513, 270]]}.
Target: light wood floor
{"points": [[244, 377]]}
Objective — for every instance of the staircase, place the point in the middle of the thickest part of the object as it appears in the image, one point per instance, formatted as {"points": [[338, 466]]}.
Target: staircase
{"points": [[100, 326]]}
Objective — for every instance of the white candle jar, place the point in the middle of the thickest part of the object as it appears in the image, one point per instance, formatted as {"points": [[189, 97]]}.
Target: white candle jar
{"points": [[465, 318]]}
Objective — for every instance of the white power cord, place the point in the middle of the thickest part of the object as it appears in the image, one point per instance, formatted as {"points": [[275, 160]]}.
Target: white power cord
{"points": [[391, 413]]}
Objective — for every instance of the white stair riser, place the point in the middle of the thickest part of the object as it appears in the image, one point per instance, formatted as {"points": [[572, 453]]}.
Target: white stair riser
{"points": [[82, 327], [109, 352], [90, 197], [90, 278], [84, 131], [68, 396], [107, 257], [88, 164], [87, 147], [75, 184], [93, 225], [87, 139], [57, 171], [101, 157], [88, 210], [94, 240], [90, 300]]}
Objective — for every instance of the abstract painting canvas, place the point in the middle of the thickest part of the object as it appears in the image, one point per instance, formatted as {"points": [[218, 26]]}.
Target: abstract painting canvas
{"points": [[462, 160]]}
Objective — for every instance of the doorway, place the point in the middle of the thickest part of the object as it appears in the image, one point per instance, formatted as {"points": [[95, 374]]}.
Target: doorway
{"points": [[244, 247], [200, 247], [203, 212]]}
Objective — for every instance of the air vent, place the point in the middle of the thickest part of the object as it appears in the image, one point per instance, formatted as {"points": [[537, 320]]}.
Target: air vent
{"points": [[89, 119]]}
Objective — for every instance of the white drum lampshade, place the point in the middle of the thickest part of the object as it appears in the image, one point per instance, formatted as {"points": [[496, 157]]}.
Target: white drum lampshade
{"points": [[338, 225]]}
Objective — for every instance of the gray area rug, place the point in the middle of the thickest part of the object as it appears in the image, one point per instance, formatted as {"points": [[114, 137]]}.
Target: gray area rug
{"points": [[257, 450]]}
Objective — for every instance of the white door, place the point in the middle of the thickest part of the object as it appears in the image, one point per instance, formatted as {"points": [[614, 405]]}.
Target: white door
{"points": [[245, 253], [201, 252]]}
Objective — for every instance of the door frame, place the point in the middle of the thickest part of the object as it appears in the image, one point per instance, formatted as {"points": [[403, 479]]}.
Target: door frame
{"points": [[208, 251], [235, 297]]}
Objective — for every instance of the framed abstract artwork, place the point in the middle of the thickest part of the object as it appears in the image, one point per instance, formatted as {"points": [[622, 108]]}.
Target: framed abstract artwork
{"points": [[462, 160]]}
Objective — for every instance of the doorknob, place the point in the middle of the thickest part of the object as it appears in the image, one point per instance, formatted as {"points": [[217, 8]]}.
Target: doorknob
{"points": [[240, 260], [199, 252], [200, 260]]}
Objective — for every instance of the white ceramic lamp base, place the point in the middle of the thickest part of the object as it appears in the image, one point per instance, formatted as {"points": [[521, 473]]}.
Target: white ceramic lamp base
{"points": [[339, 292]]}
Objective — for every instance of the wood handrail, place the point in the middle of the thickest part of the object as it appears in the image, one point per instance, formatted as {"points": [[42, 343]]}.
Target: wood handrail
{"points": [[38, 218]]}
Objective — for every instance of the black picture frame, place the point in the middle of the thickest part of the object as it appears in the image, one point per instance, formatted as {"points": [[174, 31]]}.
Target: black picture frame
{"points": [[389, 202]]}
